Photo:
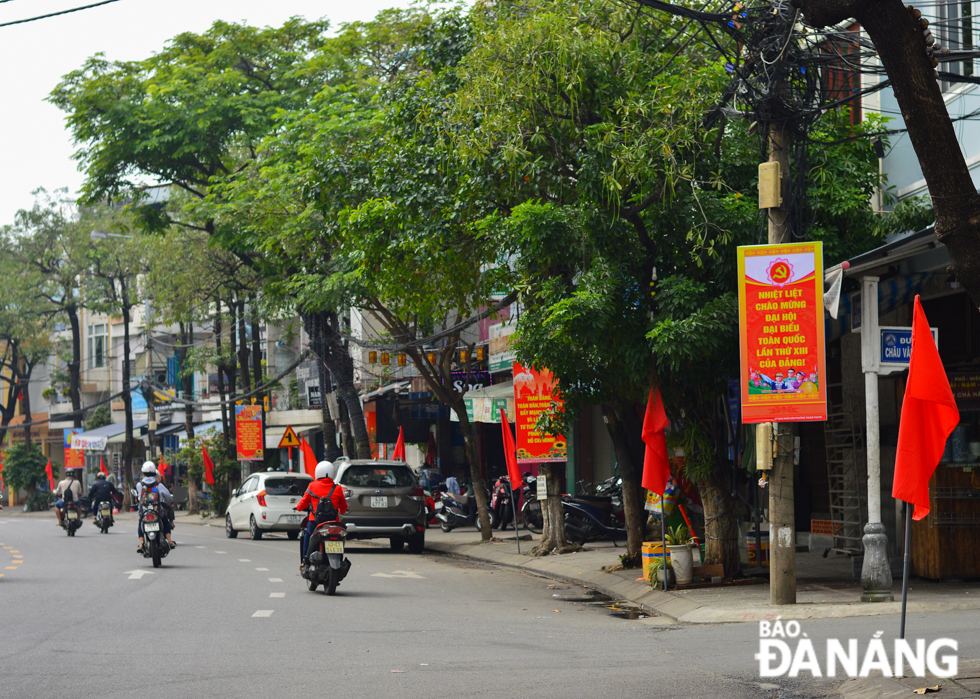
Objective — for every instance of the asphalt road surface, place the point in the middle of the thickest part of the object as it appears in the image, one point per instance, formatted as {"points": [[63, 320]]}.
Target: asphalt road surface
{"points": [[88, 617]]}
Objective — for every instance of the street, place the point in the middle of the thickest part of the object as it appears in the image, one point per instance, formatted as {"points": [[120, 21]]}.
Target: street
{"points": [[226, 617]]}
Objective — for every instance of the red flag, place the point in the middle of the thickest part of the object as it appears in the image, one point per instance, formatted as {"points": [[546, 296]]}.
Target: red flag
{"points": [[309, 458], [163, 470], [510, 453], [656, 465], [400, 446], [47, 470], [430, 451], [208, 466], [102, 469], [929, 415]]}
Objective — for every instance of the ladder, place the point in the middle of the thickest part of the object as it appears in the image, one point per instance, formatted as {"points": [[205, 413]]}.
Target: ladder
{"points": [[846, 474]]}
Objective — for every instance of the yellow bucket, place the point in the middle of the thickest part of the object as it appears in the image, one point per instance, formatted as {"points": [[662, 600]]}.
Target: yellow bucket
{"points": [[649, 552]]}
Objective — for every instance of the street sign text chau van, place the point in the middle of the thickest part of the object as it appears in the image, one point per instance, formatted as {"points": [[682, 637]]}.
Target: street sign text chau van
{"points": [[896, 345], [781, 332]]}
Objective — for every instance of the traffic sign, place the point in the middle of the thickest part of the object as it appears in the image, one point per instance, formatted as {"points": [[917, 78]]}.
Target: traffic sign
{"points": [[289, 439]]}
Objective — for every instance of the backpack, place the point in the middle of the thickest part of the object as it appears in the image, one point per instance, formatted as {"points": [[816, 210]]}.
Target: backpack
{"points": [[325, 509], [149, 497]]}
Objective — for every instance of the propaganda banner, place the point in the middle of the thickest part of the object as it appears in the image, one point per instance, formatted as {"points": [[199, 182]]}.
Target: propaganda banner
{"points": [[74, 458], [781, 333], [534, 392], [250, 435]]}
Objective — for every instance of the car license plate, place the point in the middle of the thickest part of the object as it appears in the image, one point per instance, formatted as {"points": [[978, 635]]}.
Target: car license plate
{"points": [[333, 546], [379, 501], [151, 526], [72, 515], [294, 519]]}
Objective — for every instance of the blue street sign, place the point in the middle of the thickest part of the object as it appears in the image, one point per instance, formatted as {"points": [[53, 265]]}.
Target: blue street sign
{"points": [[896, 344]]}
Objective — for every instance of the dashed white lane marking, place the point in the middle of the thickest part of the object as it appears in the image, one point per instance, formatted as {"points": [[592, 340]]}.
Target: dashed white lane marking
{"points": [[275, 579], [244, 560], [200, 547], [261, 569], [277, 594], [221, 552], [399, 574], [262, 613]]}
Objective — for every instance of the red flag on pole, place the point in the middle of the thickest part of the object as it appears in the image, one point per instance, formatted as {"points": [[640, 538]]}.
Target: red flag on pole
{"points": [[929, 415], [309, 458], [399, 452], [208, 466], [163, 470], [102, 469], [47, 470], [656, 465], [510, 452]]}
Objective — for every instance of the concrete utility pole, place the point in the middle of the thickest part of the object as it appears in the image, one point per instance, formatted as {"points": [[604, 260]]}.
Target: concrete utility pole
{"points": [[782, 514], [151, 414], [876, 573]]}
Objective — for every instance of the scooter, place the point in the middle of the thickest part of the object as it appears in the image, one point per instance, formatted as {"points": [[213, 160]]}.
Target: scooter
{"points": [[460, 510], [71, 518], [325, 561], [103, 516], [501, 502], [155, 544], [591, 518], [531, 513]]}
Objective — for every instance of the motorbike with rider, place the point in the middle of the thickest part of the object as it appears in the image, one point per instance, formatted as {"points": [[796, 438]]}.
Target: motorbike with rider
{"points": [[69, 493], [101, 495], [322, 549], [155, 505]]}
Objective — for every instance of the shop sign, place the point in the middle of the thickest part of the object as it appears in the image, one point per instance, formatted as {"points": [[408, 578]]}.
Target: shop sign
{"points": [[966, 391], [83, 443], [781, 332], [896, 345], [501, 355], [249, 432], [534, 392], [74, 458], [313, 395]]}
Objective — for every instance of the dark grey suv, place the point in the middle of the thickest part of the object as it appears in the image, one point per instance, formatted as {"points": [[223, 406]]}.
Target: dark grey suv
{"points": [[384, 501]]}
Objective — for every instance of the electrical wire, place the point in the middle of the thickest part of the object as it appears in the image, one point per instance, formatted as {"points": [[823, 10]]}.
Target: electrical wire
{"points": [[56, 14]]}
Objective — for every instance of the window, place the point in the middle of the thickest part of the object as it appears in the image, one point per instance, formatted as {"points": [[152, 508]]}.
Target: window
{"points": [[380, 476], [98, 341], [953, 28], [286, 486]]}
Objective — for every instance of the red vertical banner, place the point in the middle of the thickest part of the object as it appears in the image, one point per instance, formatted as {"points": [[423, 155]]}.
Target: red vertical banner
{"points": [[371, 423], [249, 433], [534, 391], [74, 458], [781, 333]]}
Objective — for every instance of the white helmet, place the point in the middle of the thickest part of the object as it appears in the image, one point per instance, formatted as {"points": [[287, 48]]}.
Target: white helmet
{"points": [[149, 468], [325, 469]]}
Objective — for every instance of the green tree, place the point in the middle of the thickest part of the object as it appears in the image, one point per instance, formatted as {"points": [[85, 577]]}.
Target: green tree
{"points": [[23, 469]]}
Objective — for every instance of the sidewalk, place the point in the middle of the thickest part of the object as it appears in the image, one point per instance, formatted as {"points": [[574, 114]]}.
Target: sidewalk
{"points": [[825, 588]]}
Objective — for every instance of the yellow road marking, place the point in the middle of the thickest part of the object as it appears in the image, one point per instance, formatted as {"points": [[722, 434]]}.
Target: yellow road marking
{"points": [[11, 567]]}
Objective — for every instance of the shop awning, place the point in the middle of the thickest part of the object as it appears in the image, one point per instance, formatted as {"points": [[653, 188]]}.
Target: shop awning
{"points": [[97, 439], [484, 404], [393, 387], [273, 435]]}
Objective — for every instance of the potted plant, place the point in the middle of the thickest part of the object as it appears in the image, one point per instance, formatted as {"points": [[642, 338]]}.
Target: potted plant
{"points": [[50, 394], [678, 543], [657, 573]]}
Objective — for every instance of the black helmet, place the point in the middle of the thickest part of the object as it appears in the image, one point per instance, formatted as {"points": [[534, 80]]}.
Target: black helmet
{"points": [[99, 475]]}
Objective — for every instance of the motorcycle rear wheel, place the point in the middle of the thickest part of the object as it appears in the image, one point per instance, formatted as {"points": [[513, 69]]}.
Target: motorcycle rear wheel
{"points": [[446, 527], [331, 586], [533, 521], [155, 553], [105, 527], [311, 584]]}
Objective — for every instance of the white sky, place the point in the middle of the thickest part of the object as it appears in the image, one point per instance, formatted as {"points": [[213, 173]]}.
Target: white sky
{"points": [[35, 147]]}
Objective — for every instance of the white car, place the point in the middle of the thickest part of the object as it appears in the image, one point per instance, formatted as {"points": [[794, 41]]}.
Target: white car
{"points": [[266, 503]]}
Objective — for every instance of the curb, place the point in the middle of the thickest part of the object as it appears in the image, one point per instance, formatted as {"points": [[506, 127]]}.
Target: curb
{"points": [[675, 606]]}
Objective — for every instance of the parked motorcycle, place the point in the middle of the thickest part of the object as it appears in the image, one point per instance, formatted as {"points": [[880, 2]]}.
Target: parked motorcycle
{"points": [[502, 504], [325, 561], [531, 513], [600, 516], [460, 510], [71, 518], [155, 544], [103, 516]]}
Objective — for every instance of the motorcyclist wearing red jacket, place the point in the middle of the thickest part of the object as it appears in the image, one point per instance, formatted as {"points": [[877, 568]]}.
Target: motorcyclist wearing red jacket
{"points": [[320, 488]]}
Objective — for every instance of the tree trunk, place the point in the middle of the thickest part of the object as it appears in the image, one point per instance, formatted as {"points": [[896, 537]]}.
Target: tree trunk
{"points": [[25, 405], [9, 407], [330, 452], [347, 446], [553, 534], [75, 367], [720, 526], [225, 429], [476, 473], [898, 38], [322, 328], [256, 347], [187, 387], [231, 370], [243, 349], [623, 423], [128, 447]]}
